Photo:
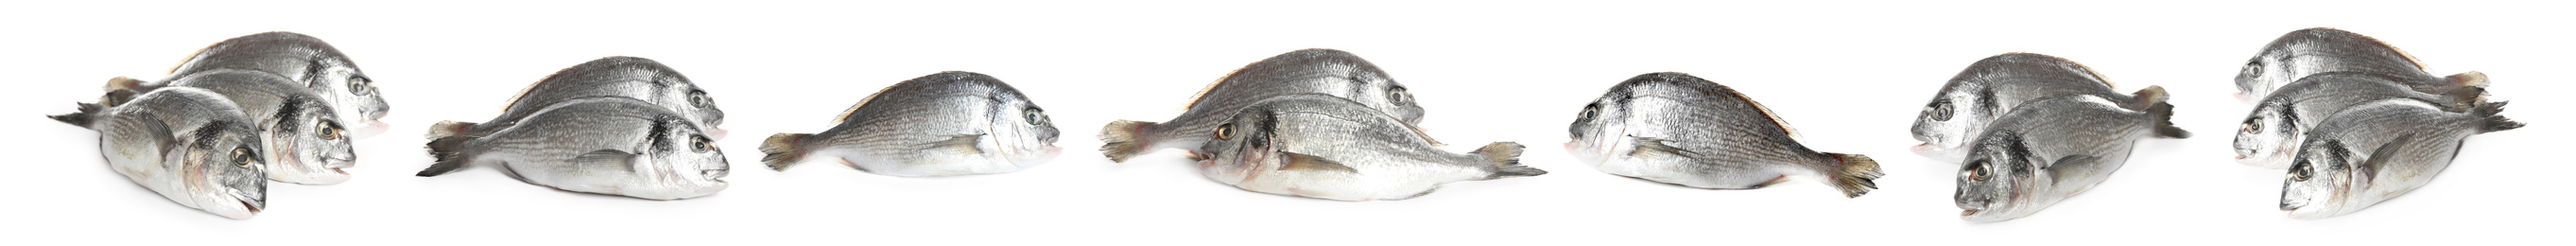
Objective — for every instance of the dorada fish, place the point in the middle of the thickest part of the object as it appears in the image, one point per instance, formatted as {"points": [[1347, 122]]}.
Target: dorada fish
{"points": [[190, 145], [1323, 146], [2322, 50], [1679, 129], [1324, 71], [2280, 122], [2379, 150], [306, 143], [950, 123], [620, 76], [311, 63], [1989, 88], [2050, 149], [605, 145]]}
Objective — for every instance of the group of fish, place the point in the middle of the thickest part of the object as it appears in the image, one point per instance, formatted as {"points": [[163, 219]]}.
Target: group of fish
{"points": [[623, 126], [2355, 120], [2033, 130], [274, 106]]}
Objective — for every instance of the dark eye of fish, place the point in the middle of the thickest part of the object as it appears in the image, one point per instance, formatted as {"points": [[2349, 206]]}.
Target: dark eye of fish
{"points": [[362, 86], [1939, 110], [1399, 96], [1034, 115], [328, 130], [2254, 68], [1977, 171], [1589, 111], [698, 99], [244, 158], [2299, 171], [2253, 125], [1224, 132], [700, 143]]}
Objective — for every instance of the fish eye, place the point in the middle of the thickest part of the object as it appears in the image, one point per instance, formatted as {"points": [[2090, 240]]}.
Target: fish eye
{"points": [[700, 143], [699, 99], [1399, 96], [1034, 115], [1224, 132], [328, 130], [2299, 171], [2253, 125], [243, 157], [2254, 68], [1939, 110], [362, 86], [1589, 111], [1977, 171]]}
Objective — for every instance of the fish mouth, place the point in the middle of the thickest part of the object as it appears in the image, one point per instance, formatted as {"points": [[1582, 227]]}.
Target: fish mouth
{"points": [[1966, 213], [714, 174], [252, 205]]}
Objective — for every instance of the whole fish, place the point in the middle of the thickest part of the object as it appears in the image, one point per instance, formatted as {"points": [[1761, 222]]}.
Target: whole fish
{"points": [[949, 123], [1323, 146], [2321, 50], [630, 77], [2280, 121], [2377, 151], [306, 143], [1973, 99], [2051, 149], [605, 145], [1325, 71], [312, 63], [190, 145], [1679, 129]]}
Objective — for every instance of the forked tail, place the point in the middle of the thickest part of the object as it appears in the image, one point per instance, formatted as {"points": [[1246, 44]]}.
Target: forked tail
{"points": [[782, 149], [2163, 114], [1506, 158], [1124, 139], [2494, 122], [1855, 175], [88, 112], [448, 128], [450, 153]]}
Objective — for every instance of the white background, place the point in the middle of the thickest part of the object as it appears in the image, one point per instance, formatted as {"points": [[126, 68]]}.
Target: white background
{"points": [[1850, 75]]}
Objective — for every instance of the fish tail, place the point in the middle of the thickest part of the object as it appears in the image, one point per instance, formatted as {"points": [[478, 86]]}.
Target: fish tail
{"points": [[2148, 97], [88, 112], [782, 149], [2470, 79], [123, 83], [118, 97], [1506, 158], [450, 154], [2465, 98], [2494, 122], [448, 128], [1124, 139], [1854, 174], [2163, 114]]}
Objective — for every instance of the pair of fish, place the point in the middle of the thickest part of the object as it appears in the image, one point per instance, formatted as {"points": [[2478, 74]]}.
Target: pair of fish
{"points": [[949, 123], [1680, 129], [192, 146], [2034, 130], [305, 60], [2355, 121], [618, 125], [1316, 123]]}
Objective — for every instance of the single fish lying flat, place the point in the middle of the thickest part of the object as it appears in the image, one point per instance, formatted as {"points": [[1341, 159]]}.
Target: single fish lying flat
{"points": [[1973, 99], [1322, 71], [2322, 50], [2051, 149], [1323, 146], [950, 123], [2280, 122], [312, 63], [630, 77], [606, 145], [190, 145], [1679, 129], [305, 142], [2377, 151]]}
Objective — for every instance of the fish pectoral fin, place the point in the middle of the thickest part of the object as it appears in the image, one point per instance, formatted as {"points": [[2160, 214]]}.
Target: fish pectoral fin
{"points": [[2363, 172], [961, 144], [1647, 146], [2073, 160], [1304, 162], [2071, 164], [606, 159]]}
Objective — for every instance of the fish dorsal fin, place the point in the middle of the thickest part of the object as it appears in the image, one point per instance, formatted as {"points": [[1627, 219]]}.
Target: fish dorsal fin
{"points": [[2363, 172], [961, 144], [1766, 112], [872, 97], [1211, 87], [532, 87], [1648, 147], [1304, 162], [2401, 53], [606, 159]]}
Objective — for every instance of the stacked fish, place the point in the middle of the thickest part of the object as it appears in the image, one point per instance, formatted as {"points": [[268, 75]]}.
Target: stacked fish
{"points": [[2034, 130], [944, 124], [1680, 129], [619, 125], [1314, 123], [2355, 120], [254, 108]]}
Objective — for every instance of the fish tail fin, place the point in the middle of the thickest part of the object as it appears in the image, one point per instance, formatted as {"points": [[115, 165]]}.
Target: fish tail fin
{"points": [[2469, 79], [1854, 174], [2148, 97], [1124, 139], [448, 128], [782, 149], [2465, 98], [123, 83], [118, 97], [88, 112], [1506, 158], [450, 153], [2163, 114], [2494, 122]]}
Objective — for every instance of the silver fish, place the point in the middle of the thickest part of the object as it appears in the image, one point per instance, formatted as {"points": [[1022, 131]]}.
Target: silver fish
{"points": [[306, 143], [630, 77], [2051, 149], [2320, 50], [1973, 99], [949, 123], [309, 61], [2377, 151], [2280, 121], [1679, 129], [1323, 146], [605, 145], [190, 145], [1323, 71]]}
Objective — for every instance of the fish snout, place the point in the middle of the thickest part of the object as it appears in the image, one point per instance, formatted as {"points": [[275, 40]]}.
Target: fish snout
{"points": [[714, 174]]}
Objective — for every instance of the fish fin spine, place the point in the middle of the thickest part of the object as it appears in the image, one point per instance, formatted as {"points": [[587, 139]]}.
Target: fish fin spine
{"points": [[1124, 139], [450, 154], [2494, 122], [1854, 175], [1506, 159], [448, 128], [89, 112], [782, 150]]}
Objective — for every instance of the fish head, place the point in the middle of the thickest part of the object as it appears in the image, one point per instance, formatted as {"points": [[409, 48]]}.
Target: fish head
{"points": [[222, 169], [2319, 180], [1243, 146], [1386, 95], [1999, 179], [1025, 133], [308, 145], [1599, 130], [351, 90], [689, 163], [700, 107], [2266, 71], [1953, 116], [2266, 136]]}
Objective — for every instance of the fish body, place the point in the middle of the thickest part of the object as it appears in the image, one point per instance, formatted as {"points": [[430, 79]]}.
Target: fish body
{"points": [[2280, 121], [307, 60], [1310, 71], [950, 123], [2323, 50], [1323, 146], [306, 142], [1990, 87], [1680, 129], [190, 145], [2048, 150], [620, 76], [605, 145], [2379, 150]]}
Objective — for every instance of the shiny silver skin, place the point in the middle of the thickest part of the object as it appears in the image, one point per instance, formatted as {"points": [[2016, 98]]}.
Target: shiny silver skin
{"points": [[1322, 71], [306, 142], [2377, 151], [630, 77], [312, 63], [1679, 129], [950, 123], [190, 145], [1323, 146], [1986, 89], [2046, 151], [2279, 122], [2322, 50], [605, 145]]}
